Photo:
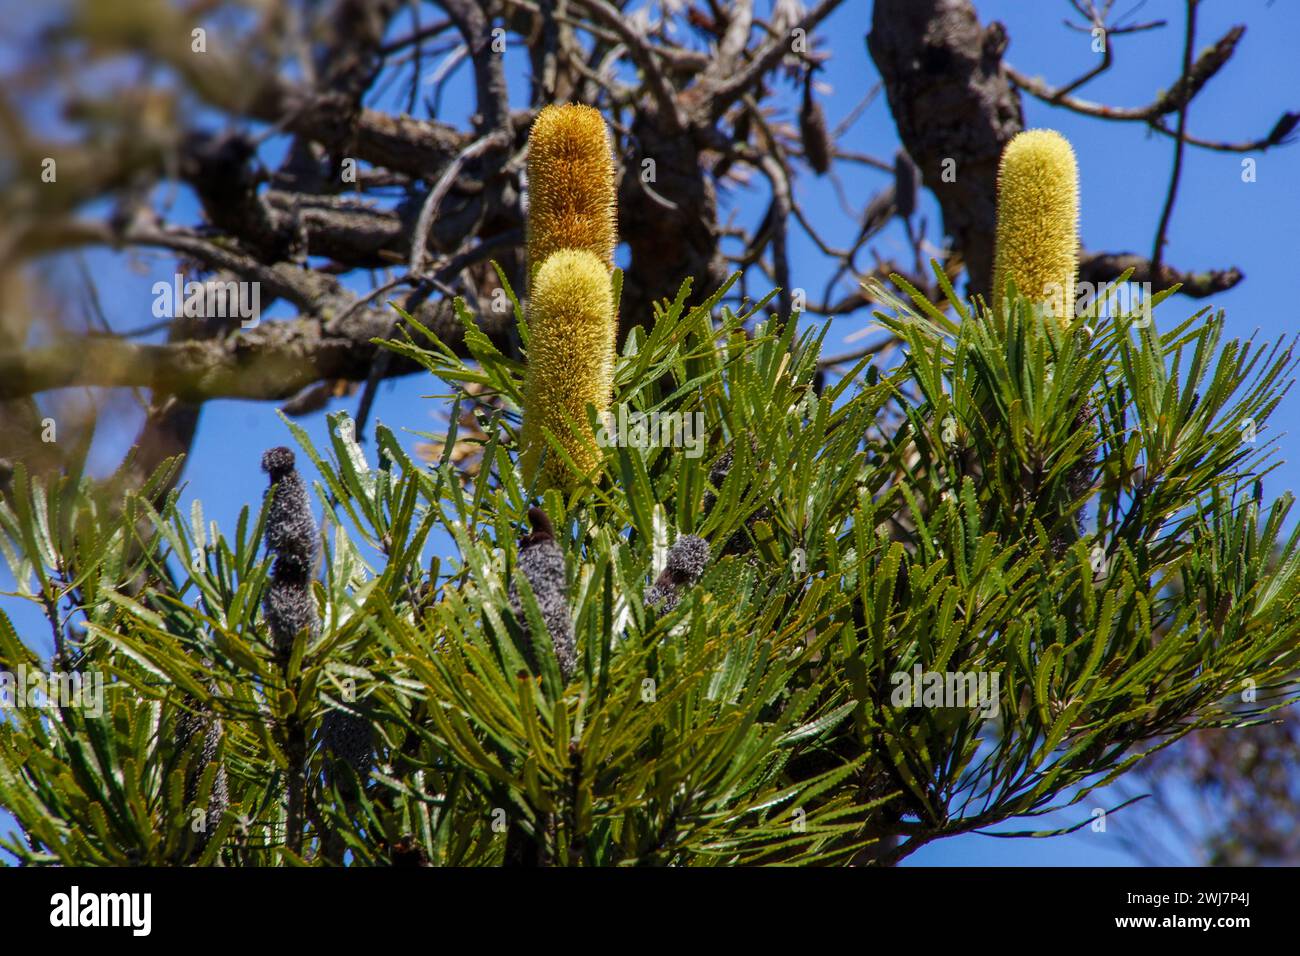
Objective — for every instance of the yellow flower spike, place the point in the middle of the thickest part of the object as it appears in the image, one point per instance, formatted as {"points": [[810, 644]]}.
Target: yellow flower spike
{"points": [[571, 332], [571, 202], [1037, 244]]}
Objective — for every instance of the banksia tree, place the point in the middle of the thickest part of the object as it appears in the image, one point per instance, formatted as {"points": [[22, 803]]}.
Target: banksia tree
{"points": [[1037, 242], [571, 701], [571, 200], [693, 665], [572, 330]]}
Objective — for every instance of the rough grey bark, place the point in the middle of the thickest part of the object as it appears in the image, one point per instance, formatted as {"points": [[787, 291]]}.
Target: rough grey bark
{"points": [[955, 110]]}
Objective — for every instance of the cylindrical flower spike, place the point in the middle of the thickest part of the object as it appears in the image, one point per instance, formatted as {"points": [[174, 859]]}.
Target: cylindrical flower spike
{"points": [[571, 201], [1037, 244], [571, 329]]}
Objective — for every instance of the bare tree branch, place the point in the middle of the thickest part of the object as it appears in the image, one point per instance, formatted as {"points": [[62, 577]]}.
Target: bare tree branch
{"points": [[491, 95], [730, 89], [1186, 88], [271, 362], [1102, 267], [637, 47]]}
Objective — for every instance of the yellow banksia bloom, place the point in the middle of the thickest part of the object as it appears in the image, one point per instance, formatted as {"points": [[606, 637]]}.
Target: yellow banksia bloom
{"points": [[1037, 244], [571, 332], [571, 202]]}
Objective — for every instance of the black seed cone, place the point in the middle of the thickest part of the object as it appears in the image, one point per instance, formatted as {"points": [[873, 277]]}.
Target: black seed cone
{"points": [[348, 737], [291, 534], [289, 607], [189, 725], [740, 541], [541, 562], [687, 559], [1080, 478], [1084, 473], [812, 130], [290, 528]]}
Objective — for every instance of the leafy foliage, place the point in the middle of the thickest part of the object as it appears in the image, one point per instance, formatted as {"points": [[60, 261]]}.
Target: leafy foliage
{"points": [[1072, 510]]}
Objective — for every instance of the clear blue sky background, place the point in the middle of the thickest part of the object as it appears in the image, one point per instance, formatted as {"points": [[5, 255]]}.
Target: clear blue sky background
{"points": [[1219, 221]]}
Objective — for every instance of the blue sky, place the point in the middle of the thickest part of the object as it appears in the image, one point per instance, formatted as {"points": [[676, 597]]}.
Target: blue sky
{"points": [[1219, 221]]}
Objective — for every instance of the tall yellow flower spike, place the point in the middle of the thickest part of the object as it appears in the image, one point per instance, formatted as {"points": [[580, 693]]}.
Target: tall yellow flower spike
{"points": [[1037, 244], [571, 331], [571, 203]]}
